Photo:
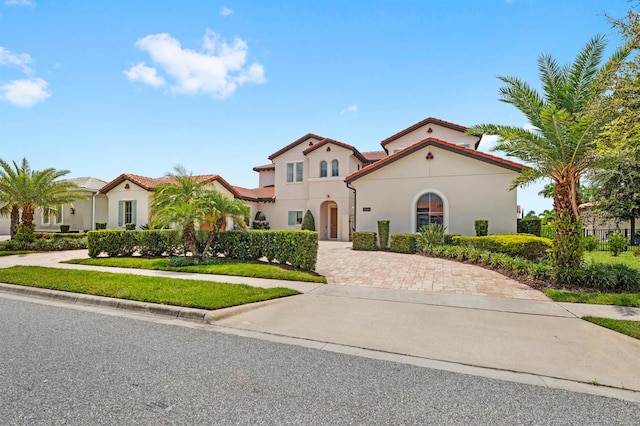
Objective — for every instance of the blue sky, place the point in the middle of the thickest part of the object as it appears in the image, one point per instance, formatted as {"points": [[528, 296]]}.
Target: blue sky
{"points": [[111, 87]]}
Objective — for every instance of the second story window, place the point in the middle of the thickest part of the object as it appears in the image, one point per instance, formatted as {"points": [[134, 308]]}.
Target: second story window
{"points": [[323, 168], [294, 172], [335, 168]]}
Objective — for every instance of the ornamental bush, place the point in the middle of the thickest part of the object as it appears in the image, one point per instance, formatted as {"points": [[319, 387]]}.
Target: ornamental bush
{"points": [[617, 243], [516, 245], [363, 240], [308, 223], [430, 236], [591, 243], [383, 234], [403, 243], [482, 227], [530, 226]]}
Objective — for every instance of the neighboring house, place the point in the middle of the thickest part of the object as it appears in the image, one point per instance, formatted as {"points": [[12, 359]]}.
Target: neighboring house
{"points": [[82, 214], [427, 173]]}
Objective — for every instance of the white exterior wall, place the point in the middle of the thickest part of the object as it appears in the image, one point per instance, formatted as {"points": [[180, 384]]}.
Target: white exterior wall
{"points": [[438, 132], [134, 193], [470, 189], [5, 225], [267, 178]]}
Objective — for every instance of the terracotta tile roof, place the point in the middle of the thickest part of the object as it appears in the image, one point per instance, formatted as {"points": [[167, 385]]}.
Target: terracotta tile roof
{"points": [[264, 194], [264, 167], [294, 144], [492, 159], [372, 156], [148, 183], [428, 120], [327, 141]]}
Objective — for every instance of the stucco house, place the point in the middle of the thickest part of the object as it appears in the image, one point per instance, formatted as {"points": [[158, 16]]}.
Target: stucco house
{"points": [[430, 172]]}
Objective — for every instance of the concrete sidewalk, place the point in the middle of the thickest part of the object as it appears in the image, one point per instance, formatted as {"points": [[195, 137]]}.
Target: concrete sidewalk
{"points": [[535, 341]]}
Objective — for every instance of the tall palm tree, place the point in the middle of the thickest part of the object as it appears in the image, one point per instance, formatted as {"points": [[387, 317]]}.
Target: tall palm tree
{"points": [[185, 204], [561, 146], [25, 190]]}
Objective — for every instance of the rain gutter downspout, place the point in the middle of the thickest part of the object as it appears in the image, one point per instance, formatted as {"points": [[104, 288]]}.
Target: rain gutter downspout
{"points": [[355, 209]]}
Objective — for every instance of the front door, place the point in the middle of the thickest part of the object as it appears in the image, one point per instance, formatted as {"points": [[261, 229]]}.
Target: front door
{"points": [[333, 222]]}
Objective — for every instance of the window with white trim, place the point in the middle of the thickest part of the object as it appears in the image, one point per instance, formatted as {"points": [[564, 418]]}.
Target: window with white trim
{"points": [[295, 217], [127, 212], [294, 172], [429, 210], [52, 216]]}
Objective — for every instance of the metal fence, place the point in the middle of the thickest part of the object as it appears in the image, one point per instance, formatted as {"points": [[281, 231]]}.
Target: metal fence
{"points": [[603, 234]]}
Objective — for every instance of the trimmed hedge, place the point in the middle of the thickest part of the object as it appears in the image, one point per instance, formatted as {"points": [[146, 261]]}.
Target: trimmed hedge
{"points": [[46, 244], [363, 240], [383, 234], [403, 243], [516, 245], [297, 248], [530, 226]]}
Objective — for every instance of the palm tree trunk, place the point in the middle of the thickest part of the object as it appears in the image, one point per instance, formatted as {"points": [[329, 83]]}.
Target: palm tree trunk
{"points": [[567, 247], [15, 220], [27, 216], [189, 234]]}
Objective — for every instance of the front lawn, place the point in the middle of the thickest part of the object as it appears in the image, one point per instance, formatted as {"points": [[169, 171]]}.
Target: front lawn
{"points": [[625, 258], [630, 328], [619, 299], [178, 292], [241, 269]]}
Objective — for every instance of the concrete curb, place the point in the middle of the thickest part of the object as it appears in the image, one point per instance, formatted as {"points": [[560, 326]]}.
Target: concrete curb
{"points": [[109, 302]]}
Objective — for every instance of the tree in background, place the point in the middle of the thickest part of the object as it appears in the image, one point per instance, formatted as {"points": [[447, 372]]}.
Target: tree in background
{"points": [[562, 144], [24, 190]]}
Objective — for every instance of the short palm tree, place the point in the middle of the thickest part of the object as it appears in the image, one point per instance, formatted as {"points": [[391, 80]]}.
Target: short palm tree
{"points": [[185, 204], [24, 190], [561, 146]]}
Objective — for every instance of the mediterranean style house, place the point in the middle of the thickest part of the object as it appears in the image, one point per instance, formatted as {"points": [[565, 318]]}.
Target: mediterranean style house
{"points": [[430, 172]]}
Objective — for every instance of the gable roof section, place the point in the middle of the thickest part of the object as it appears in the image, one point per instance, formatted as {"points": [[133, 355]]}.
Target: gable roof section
{"points": [[373, 156], [327, 141], [88, 183], [428, 120], [294, 144], [458, 149], [148, 183]]}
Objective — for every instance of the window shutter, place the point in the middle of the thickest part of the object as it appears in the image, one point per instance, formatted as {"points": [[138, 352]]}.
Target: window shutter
{"points": [[292, 218], [134, 212], [120, 212]]}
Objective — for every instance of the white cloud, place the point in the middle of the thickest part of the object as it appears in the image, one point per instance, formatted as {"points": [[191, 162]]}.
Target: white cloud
{"points": [[350, 108], [25, 93], [144, 74], [226, 12], [218, 69], [21, 60], [19, 3]]}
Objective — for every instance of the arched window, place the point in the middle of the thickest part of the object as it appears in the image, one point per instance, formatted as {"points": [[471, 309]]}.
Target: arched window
{"points": [[323, 168], [429, 210], [335, 168]]}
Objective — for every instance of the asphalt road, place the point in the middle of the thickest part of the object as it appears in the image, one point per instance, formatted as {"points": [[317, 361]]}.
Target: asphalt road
{"points": [[63, 366]]}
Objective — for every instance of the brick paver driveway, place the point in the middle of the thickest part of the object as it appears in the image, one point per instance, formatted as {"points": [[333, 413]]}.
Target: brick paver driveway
{"points": [[344, 266]]}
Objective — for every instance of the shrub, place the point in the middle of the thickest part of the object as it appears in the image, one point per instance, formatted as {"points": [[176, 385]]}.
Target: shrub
{"points": [[567, 243], [590, 243], [383, 234], [25, 233], [112, 242], [482, 227], [429, 236], [403, 243], [157, 242], [44, 244], [447, 239], [130, 226], [308, 223], [530, 226], [600, 276], [617, 243], [516, 245], [101, 225], [636, 251], [260, 221], [364, 240]]}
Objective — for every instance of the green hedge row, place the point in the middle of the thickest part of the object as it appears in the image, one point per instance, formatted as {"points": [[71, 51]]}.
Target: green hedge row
{"points": [[45, 244], [363, 240], [516, 245], [297, 248], [403, 243]]}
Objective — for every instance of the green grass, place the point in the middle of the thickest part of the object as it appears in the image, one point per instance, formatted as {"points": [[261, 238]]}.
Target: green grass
{"points": [[625, 258], [188, 293], [11, 253], [619, 299], [630, 328], [241, 269]]}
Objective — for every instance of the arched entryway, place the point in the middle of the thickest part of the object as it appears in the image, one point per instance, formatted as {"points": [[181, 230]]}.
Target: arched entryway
{"points": [[328, 220]]}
